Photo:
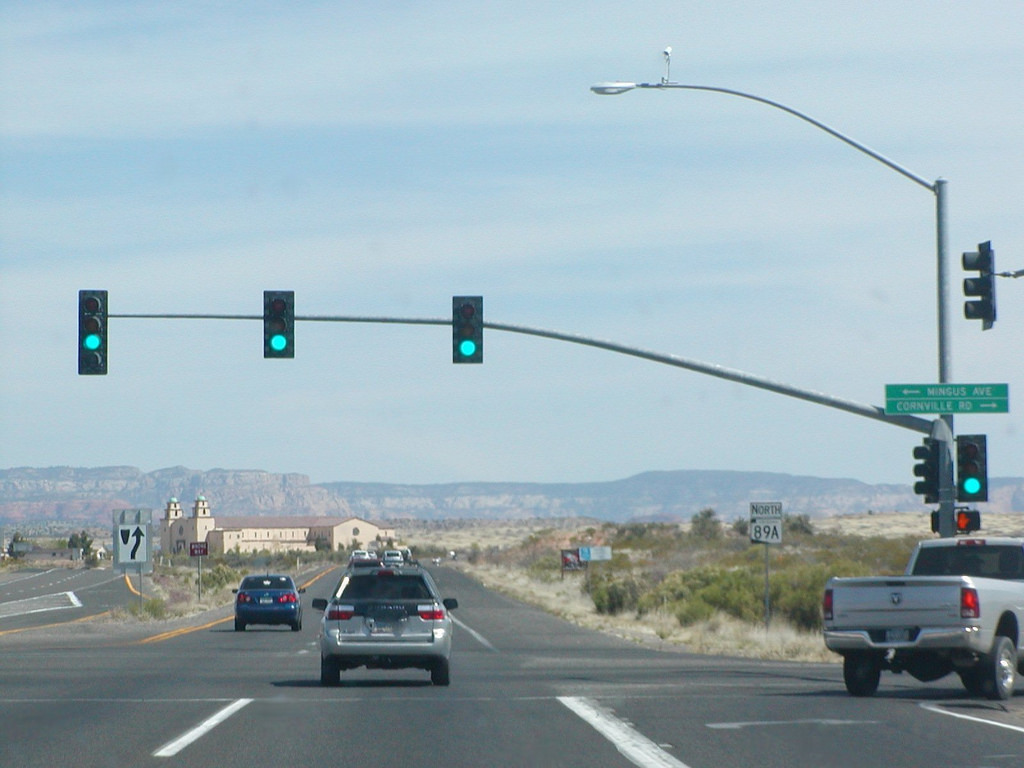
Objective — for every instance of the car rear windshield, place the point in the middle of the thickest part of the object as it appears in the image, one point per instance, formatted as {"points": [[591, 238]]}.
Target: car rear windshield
{"points": [[267, 582], [989, 560], [374, 587]]}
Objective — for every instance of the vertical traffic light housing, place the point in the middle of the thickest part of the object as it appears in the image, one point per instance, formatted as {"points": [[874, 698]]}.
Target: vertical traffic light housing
{"points": [[971, 468], [279, 324], [982, 287], [928, 470], [92, 333], [467, 329]]}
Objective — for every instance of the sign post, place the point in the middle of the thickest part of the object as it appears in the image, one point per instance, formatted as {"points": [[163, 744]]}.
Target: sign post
{"points": [[199, 549], [766, 528]]}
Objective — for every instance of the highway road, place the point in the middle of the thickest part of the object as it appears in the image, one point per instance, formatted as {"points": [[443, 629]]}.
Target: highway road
{"points": [[528, 690]]}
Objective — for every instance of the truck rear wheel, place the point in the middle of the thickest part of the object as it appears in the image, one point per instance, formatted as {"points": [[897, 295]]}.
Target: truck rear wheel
{"points": [[861, 673], [998, 669]]}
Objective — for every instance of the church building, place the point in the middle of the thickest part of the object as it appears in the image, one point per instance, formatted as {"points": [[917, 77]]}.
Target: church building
{"points": [[258, 533]]}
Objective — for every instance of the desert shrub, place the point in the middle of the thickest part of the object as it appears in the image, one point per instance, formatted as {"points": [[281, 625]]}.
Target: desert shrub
{"points": [[219, 576], [692, 612], [614, 594], [151, 608], [695, 594], [796, 594], [706, 525], [798, 524], [738, 593]]}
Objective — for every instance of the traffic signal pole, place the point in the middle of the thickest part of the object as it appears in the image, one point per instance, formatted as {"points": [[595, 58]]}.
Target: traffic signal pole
{"points": [[947, 514]]}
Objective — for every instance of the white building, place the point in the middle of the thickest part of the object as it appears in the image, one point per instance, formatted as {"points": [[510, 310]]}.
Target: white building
{"points": [[256, 534]]}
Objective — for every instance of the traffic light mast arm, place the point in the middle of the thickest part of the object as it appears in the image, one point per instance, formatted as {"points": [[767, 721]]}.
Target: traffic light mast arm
{"points": [[731, 374], [913, 423]]}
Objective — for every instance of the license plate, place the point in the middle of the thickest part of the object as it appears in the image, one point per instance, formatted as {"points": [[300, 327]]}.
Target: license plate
{"points": [[897, 635], [382, 628], [266, 601]]}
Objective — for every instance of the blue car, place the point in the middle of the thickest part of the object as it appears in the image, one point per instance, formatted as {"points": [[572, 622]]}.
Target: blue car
{"points": [[270, 599]]}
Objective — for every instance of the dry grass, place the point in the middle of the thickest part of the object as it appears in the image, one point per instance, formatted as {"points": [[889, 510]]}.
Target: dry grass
{"points": [[721, 635]]}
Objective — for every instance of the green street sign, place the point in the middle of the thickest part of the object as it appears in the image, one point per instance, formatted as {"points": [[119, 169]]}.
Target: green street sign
{"points": [[906, 399]]}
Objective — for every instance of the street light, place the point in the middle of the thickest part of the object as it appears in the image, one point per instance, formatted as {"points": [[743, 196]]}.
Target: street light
{"points": [[938, 188]]}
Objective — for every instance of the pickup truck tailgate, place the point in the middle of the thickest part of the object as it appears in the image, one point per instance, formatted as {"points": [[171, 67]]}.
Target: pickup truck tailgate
{"points": [[920, 601]]}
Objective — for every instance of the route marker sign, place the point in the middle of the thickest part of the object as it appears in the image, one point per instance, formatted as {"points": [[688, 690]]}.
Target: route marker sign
{"points": [[905, 399], [766, 522]]}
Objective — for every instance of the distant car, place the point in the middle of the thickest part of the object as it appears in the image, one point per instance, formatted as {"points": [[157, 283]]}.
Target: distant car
{"points": [[393, 557], [269, 599], [385, 618], [361, 558]]}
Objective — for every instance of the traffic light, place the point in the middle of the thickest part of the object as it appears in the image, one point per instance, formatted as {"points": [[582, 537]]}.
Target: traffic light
{"points": [[983, 286], [92, 333], [967, 520], [467, 329], [971, 468], [279, 324], [928, 470]]}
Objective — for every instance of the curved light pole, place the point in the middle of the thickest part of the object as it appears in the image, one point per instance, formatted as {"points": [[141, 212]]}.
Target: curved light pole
{"points": [[938, 188], [942, 428]]}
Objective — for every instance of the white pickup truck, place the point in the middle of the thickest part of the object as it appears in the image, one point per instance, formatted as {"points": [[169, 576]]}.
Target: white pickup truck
{"points": [[958, 608]]}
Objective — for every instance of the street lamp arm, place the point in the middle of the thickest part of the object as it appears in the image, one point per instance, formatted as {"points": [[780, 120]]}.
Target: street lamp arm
{"points": [[938, 188], [806, 118]]}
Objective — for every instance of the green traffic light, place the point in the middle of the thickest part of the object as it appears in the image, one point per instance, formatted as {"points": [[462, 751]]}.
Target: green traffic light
{"points": [[467, 347], [278, 342], [91, 342], [971, 485]]}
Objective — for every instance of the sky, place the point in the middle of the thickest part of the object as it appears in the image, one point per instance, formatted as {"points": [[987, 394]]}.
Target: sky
{"points": [[379, 158]]}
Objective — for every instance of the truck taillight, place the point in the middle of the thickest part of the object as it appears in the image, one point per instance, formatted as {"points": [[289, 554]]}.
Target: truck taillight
{"points": [[826, 605], [970, 605], [341, 612]]}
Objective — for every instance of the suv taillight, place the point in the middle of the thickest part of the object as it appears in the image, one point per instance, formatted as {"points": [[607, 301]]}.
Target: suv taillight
{"points": [[826, 605], [341, 612], [430, 612], [970, 605]]}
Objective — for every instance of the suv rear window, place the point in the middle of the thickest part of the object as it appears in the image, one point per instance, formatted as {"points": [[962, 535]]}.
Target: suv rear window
{"points": [[373, 587]]}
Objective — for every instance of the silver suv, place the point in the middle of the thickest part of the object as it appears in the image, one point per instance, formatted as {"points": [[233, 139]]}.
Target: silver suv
{"points": [[385, 618]]}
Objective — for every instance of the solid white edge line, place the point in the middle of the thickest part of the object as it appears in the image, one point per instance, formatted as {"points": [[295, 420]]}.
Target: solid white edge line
{"points": [[633, 745], [938, 710], [479, 638], [173, 747]]}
